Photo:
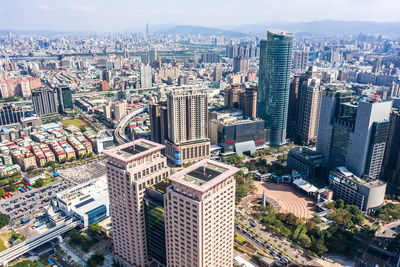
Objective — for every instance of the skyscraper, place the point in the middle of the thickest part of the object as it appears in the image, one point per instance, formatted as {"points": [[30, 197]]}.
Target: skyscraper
{"points": [[10, 113], [351, 134], [308, 110], [241, 64], [391, 163], [300, 60], [146, 76], [44, 101], [188, 125], [217, 75], [158, 121], [200, 214], [273, 89], [130, 169], [64, 95]]}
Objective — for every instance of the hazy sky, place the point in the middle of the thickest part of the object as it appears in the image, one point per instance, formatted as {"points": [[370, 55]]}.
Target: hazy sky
{"points": [[119, 15]]}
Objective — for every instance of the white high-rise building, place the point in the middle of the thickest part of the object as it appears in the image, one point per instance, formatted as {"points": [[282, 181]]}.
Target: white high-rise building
{"points": [[145, 76]]}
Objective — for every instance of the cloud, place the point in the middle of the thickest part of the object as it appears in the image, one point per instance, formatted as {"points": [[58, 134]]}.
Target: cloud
{"points": [[44, 7], [82, 8]]}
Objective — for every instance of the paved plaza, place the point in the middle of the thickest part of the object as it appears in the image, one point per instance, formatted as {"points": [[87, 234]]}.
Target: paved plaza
{"points": [[288, 198]]}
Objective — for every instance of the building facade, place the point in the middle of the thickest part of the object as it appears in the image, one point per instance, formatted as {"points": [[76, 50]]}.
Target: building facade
{"points": [[130, 169], [273, 88], [44, 101], [366, 193], [187, 113], [10, 114], [200, 214], [346, 136], [305, 161], [391, 163], [64, 96], [241, 64]]}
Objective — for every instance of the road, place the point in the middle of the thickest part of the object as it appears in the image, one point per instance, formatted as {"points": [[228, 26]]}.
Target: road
{"points": [[119, 130], [281, 244], [386, 230]]}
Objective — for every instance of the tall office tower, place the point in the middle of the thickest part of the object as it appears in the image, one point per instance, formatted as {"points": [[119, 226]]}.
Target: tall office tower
{"points": [[158, 121], [107, 111], [351, 134], [377, 67], [293, 107], [147, 29], [106, 76], [273, 88], [308, 110], [188, 125], [64, 96], [391, 163], [131, 168], [241, 64], [44, 101], [9, 36], [248, 102], [300, 60], [200, 214], [217, 75], [153, 56], [146, 76], [10, 114]]}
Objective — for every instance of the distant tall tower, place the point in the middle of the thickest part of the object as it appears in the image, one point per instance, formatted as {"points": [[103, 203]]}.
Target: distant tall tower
{"points": [[391, 163], [273, 89], [145, 76], [9, 36], [147, 29]]}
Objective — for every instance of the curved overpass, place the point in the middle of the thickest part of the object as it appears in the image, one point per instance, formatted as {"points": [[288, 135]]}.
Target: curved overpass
{"points": [[119, 132]]}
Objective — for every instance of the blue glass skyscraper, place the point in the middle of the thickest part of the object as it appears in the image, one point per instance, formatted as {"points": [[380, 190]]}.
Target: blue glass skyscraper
{"points": [[273, 88]]}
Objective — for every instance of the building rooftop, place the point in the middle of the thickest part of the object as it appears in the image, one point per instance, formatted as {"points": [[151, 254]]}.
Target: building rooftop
{"points": [[203, 175], [133, 150], [161, 187]]}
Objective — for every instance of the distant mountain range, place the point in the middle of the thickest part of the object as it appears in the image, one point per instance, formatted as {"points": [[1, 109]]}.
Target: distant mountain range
{"points": [[185, 29], [314, 27]]}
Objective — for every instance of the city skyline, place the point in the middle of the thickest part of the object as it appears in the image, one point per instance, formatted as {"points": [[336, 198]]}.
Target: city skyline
{"points": [[100, 16]]}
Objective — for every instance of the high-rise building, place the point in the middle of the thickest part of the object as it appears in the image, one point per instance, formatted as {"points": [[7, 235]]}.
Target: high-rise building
{"points": [[130, 169], [273, 89], [10, 114], [44, 101], [376, 68], [64, 96], [351, 133], [146, 76], [308, 110], [248, 102], [119, 110], [106, 76], [241, 64], [300, 60], [210, 58], [188, 125], [241, 98], [391, 163], [158, 121], [217, 75], [200, 214], [153, 56], [293, 106]]}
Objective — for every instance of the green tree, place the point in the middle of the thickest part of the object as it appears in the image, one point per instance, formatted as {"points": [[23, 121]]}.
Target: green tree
{"points": [[4, 220], [82, 129], [38, 183], [339, 204], [95, 260], [95, 228]]}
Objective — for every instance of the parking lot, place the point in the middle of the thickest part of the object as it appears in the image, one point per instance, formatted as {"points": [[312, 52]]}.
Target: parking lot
{"points": [[83, 173], [31, 203]]}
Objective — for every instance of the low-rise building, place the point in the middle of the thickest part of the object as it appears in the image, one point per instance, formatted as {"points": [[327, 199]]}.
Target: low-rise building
{"points": [[87, 202], [305, 161], [366, 193]]}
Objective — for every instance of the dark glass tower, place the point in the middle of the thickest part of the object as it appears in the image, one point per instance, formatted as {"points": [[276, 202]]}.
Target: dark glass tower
{"points": [[273, 89]]}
